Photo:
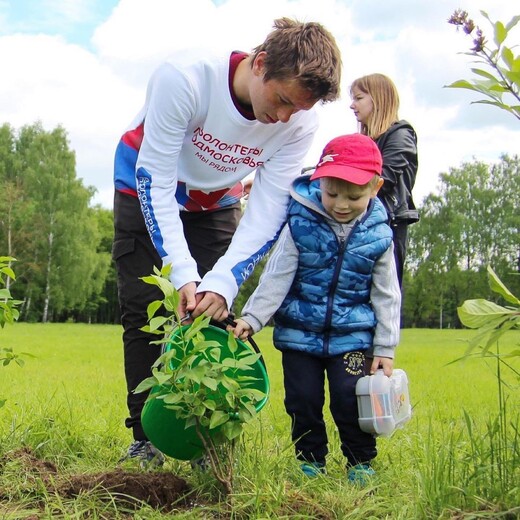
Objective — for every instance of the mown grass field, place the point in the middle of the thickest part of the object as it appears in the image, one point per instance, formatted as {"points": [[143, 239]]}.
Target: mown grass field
{"points": [[459, 456]]}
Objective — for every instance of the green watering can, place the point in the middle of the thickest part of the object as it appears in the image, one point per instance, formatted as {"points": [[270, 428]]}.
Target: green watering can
{"points": [[169, 433]]}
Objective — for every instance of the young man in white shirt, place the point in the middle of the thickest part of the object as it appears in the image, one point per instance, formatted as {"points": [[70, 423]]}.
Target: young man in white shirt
{"points": [[208, 122]]}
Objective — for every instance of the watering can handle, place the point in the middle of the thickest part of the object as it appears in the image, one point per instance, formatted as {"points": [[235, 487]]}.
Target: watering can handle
{"points": [[230, 321]]}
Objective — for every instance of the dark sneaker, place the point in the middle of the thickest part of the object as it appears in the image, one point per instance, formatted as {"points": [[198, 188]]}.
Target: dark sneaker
{"points": [[360, 474], [313, 469], [149, 456]]}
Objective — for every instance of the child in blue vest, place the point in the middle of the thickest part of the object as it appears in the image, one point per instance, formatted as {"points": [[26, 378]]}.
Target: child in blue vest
{"points": [[332, 287]]}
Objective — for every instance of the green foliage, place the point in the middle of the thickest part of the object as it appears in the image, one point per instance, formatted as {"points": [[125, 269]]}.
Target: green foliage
{"points": [[499, 82], [8, 312], [46, 207], [471, 223], [501, 446], [490, 319], [8, 307], [201, 386]]}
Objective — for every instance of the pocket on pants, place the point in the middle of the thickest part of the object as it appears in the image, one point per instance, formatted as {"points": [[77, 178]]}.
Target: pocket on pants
{"points": [[122, 247]]}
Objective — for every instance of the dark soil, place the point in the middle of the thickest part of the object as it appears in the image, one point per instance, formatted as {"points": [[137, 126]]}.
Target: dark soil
{"points": [[161, 490], [158, 489]]}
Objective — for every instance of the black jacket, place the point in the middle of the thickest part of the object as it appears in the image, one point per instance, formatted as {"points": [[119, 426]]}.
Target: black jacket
{"points": [[398, 146]]}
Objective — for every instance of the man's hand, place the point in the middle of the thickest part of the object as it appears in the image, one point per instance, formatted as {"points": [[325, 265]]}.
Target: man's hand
{"points": [[211, 304], [187, 301]]}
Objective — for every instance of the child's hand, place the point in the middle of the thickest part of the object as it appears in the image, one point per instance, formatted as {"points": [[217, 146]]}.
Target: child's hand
{"points": [[387, 364], [242, 329]]}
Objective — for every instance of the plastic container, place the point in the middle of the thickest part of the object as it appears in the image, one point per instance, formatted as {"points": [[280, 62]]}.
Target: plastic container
{"points": [[168, 433], [383, 402]]}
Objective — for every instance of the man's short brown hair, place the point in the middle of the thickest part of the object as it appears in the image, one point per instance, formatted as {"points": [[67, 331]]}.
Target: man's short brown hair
{"points": [[306, 52]]}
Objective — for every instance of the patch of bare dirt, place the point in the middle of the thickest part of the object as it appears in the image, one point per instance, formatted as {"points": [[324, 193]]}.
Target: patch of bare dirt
{"points": [[161, 490], [158, 489]]}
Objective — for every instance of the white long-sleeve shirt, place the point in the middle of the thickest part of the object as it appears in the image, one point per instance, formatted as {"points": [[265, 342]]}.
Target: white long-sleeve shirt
{"points": [[191, 145]]}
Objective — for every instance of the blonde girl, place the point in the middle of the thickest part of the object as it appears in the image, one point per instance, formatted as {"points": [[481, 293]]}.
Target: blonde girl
{"points": [[375, 103]]}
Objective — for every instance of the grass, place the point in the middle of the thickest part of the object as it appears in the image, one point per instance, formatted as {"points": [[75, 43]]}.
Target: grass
{"points": [[459, 456]]}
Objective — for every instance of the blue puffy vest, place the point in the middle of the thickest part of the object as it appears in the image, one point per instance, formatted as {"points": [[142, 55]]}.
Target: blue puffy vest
{"points": [[327, 310]]}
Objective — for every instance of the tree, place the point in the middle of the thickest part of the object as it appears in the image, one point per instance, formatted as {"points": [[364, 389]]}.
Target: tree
{"points": [[103, 306], [470, 224], [57, 237], [13, 206]]}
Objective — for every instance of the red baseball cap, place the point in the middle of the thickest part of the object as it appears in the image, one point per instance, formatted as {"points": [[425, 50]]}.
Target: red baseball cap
{"points": [[354, 158]]}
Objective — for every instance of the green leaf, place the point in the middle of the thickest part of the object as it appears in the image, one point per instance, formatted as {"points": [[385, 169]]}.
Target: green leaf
{"points": [[215, 354], [145, 385], [8, 272], [245, 416], [461, 83], [161, 377], [485, 15], [250, 409], [230, 398], [210, 404], [190, 421], [157, 322], [152, 280], [253, 394], [498, 287], [166, 286], [232, 342], [196, 374], [513, 76], [5, 294], [494, 103], [250, 359], [218, 418], [171, 302], [165, 271], [173, 398], [485, 74], [500, 33], [484, 333], [512, 22], [232, 430], [508, 57], [498, 88], [244, 380], [477, 313], [497, 333], [210, 383], [199, 323], [153, 308], [199, 410], [230, 362]]}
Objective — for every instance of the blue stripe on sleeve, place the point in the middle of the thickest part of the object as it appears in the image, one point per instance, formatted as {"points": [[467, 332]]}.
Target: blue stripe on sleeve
{"points": [[144, 181], [243, 270]]}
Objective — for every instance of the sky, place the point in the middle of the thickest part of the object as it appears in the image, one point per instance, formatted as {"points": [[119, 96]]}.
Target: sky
{"points": [[84, 65]]}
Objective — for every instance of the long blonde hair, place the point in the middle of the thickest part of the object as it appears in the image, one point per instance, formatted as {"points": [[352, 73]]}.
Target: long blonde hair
{"points": [[385, 99]]}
